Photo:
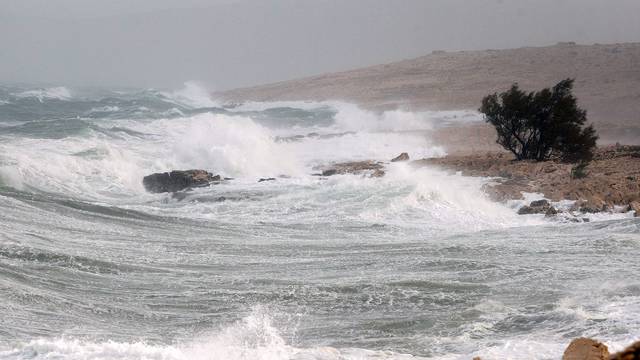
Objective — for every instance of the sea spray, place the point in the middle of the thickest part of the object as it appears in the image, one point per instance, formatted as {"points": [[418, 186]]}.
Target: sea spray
{"points": [[417, 262]]}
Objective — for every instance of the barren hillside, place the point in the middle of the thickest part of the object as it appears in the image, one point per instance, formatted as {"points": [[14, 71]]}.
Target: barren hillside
{"points": [[607, 82]]}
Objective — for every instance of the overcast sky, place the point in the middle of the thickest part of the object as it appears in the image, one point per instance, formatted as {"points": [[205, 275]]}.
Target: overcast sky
{"points": [[233, 43]]}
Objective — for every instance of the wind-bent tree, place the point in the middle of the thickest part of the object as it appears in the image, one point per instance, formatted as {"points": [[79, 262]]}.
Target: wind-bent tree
{"points": [[540, 125]]}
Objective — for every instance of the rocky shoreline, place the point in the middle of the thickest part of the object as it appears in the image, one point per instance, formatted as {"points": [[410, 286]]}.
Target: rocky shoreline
{"points": [[609, 183]]}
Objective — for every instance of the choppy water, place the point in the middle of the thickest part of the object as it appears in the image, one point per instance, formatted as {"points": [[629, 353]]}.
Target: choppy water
{"points": [[418, 264]]}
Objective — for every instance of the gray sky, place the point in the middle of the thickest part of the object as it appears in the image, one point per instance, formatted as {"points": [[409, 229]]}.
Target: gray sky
{"points": [[233, 43]]}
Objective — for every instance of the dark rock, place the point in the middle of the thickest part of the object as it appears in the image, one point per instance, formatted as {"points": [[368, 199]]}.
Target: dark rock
{"points": [[329, 172], [355, 167], [539, 203], [538, 207], [178, 180], [527, 210], [266, 179], [402, 157], [593, 206], [630, 353]]}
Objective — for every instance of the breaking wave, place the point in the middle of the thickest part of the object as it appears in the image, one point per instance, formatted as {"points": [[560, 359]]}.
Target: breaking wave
{"points": [[303, 267], [57, 93]]}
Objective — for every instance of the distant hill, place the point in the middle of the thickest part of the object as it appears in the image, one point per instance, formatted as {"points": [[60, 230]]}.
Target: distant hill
{"points": [[607, 82]]}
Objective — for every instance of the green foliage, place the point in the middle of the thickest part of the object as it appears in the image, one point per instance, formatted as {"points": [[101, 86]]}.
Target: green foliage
{"points": [[540, 125], [579, 171]]}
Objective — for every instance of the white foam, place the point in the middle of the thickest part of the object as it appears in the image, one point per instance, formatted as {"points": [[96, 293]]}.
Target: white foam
{"points": [[443, 201], [352, 118], [231, 145], [59, 93], [252, 338], [194, 94], [110, 169], [104, 109]]}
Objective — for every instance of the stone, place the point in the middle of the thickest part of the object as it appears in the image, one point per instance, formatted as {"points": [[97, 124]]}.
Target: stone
{"points": [[592, 206], [527, 210], [551, 212], [402, 157], [538, 207], [539, 203], [377, 173], [586, 349], [178, 180], [635, 206], [630, 353], [373, 168], [329, 172], [266, 179]]}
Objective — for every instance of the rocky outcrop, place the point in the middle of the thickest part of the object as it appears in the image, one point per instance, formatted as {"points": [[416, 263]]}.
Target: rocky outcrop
{"points": [[402, 157], [538, 207], [367, 167], [613, 177], [586, 349], [178, 180], [591, 205], [630, 353], [589, 349]]}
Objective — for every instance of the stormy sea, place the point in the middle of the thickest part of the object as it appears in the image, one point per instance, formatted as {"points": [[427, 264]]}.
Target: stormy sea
{"points": [[417, 264]]}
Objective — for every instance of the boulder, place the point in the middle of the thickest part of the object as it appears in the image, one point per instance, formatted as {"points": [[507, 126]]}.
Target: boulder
{"points": [[527, 210], [586, 349], [402, 157], [630, 353], [373, 168], [329, 172], [178, 180], [539, 203], [538, 207], [593, 204]]}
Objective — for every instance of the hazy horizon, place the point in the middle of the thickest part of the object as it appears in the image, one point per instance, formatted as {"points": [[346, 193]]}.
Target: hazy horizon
{"points": [[234, 43]]}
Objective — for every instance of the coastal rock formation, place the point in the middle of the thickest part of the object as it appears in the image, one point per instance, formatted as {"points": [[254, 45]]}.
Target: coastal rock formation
{"points": [[586, 349], [402, 157], [538, 207], [367, 167], [177, 180], [630, 353], [612, 180]]}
